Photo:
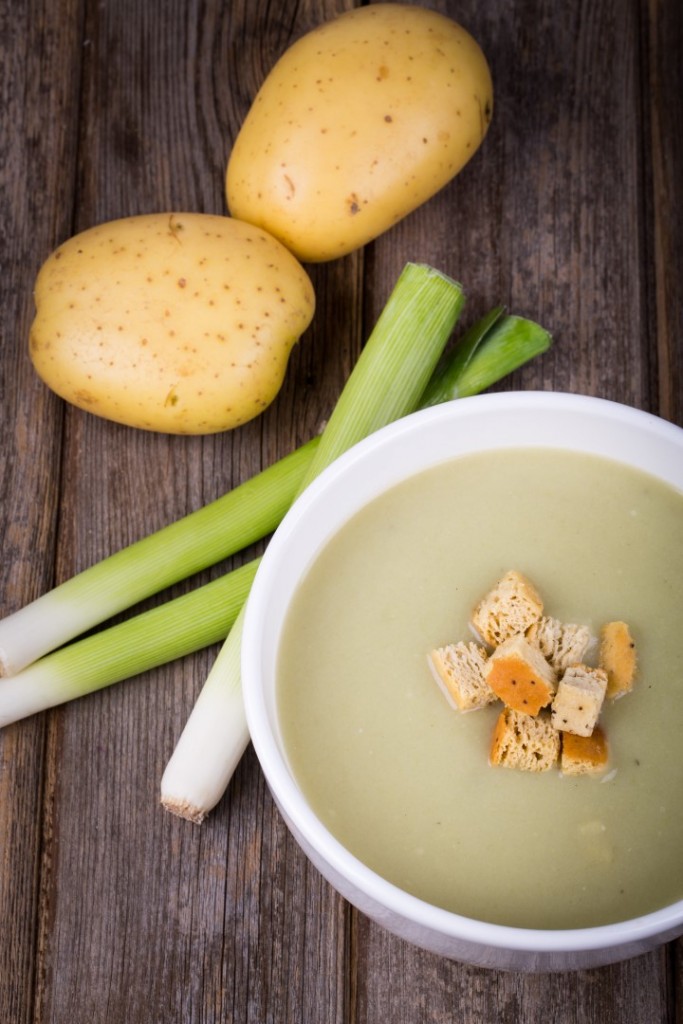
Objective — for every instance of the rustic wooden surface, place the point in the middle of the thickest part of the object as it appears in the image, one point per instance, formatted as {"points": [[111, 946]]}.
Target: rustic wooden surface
{"points": [[111, 910]]}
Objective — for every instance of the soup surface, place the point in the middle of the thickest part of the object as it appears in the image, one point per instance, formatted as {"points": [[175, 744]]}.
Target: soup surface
{"points": [[403, 780]]}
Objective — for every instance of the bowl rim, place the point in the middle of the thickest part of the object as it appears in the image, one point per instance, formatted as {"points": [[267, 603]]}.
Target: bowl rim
{"points": [[279, 777]]}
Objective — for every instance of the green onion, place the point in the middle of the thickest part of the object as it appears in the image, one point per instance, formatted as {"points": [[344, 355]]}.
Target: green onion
{"points": [[386, 383], [242, 516], [172, 630]]}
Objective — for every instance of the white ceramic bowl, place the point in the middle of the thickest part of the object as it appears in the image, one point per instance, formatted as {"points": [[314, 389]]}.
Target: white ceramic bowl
{"points": [[394, 453]]}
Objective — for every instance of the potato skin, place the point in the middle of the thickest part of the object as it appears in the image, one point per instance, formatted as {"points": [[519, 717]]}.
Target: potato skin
{"points": [[177, 322], [359, 122]]}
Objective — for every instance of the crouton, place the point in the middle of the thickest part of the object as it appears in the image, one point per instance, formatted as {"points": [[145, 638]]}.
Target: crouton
{"points": [[523, 742], [459, 671], [618, 657], [584, 755], [518, 673], [562, 643], [579, 698], [509, 608]]}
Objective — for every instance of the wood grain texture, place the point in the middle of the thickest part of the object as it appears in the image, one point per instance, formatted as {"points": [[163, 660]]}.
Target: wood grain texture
{"points": [[665, 37], [38, 153], [111, 910]]}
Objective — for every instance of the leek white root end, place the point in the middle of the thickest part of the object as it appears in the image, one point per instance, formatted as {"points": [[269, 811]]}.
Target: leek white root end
{"points": [[213, 740]]}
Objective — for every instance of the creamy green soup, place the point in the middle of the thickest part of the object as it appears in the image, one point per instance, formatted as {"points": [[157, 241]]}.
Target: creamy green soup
{"points": [[403, 780]]}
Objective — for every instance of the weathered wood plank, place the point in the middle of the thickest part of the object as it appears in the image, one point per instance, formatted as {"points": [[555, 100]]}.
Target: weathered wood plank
{"points": [[39, 65], [665, 38], [403, 986]]}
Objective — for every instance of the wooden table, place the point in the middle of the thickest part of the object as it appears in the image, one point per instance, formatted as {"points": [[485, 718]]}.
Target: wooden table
{"points": [[110, 909]]}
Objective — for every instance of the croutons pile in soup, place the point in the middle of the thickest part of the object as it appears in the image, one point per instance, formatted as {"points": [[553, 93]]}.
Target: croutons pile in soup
{"points": [[403, 779]]}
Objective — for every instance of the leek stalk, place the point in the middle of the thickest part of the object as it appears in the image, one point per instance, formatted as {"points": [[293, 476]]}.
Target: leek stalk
{"points": [[491, 349], [386, 383], [220, 529], [179, 627], [207, 752]]}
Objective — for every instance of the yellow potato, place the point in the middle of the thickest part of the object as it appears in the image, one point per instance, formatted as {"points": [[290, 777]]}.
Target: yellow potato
{"points": [[359, 122], [176, 322]]}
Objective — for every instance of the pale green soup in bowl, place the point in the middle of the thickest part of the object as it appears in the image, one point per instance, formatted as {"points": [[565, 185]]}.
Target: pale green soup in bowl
{"points": [[386, 786]]}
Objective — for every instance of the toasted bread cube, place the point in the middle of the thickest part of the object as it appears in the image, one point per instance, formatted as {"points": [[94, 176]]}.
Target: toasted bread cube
{"points": [[518, 673], [618, 657], [527, 743], [562, 643], [584, 755], [509, 608], [579, 698], [459, 671]]}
